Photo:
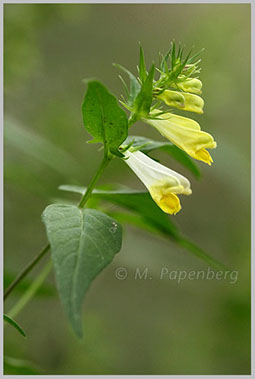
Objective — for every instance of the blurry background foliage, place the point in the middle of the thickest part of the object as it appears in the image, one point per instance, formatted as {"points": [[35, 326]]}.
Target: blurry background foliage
{"points": [[130, 326]]}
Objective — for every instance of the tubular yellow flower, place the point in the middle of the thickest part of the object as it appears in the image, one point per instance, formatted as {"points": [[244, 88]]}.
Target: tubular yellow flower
{"points": [[186, 134], [191, 85], [162, 182], [191, 103]]}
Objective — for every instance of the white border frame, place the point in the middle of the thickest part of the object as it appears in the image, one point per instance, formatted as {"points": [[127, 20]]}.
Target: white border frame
{"points": [[252, 2]]}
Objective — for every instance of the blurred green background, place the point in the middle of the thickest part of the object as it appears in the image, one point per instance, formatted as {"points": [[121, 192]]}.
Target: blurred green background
{"points": [[130, 326]]}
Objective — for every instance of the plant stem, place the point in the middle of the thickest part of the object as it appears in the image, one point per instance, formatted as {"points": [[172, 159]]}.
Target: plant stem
{"points": [[82, 203], [26, 270], [132, 120], [91, 186], [31, 291]]}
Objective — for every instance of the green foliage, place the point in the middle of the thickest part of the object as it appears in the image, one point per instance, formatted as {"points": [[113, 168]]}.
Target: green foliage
{"points": [[147, 215], [103, 118], [201, 254], [147, 145], [173, 68], [139, 202], [83, 242], [134, 87], [140, 93], [142, 67], [13, 323], [142, 103]]}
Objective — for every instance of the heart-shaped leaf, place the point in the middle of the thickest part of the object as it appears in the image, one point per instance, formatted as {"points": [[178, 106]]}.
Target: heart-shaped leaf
{"points": [[83, 242]]}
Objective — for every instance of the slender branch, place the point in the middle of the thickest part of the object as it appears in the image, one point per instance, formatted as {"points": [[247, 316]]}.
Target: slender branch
{"points": [[202, 254], [82, 203], [91, 186], [31, 291], [26, 270]]}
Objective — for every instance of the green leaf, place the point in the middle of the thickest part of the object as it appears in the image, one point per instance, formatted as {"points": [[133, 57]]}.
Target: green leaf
{"points": [[140, 222], [134, 219], [14, 324], [201, 254], [142, 67], [83, 242], [179, 155], [147, 212], [103, 118], [134, 87], [14, 366], [163, 63], [143, 100], [137, 201]]}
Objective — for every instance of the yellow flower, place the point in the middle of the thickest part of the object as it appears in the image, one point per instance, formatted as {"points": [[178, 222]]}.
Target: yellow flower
{"points": [[162, 182], [186, 101], [190, 85], [184, 133]]}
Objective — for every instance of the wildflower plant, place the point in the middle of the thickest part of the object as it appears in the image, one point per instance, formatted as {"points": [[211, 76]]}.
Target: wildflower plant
{"points": [[84, 238]]}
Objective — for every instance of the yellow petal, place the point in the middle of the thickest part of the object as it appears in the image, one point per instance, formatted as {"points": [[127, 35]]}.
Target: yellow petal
{"points": [[186, 134], [168, 202], [182, 121], [165, 196], [192, 103], [203, 155]]}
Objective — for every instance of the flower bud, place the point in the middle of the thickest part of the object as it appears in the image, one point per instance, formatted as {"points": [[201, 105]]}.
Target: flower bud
{"points": [[192, 103], [190, 85]]}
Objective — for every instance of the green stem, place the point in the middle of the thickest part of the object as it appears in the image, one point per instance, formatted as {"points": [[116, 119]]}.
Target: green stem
{"points": [[31, 291], [91, 186], [26, 270], [132, 119]]}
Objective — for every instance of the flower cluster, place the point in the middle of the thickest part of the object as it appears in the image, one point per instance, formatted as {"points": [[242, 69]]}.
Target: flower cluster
{"points": [[179, 87]]}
